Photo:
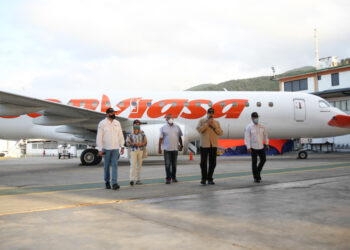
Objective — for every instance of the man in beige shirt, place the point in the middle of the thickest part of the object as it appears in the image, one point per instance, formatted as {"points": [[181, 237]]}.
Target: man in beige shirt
{"points": [[209, 130]]}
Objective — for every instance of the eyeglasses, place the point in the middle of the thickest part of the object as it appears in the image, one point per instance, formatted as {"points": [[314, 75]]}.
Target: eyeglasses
{"points": [[210, 112]]}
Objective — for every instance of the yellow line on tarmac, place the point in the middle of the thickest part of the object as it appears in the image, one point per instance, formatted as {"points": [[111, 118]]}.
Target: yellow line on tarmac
{"points": [[69, 206]]}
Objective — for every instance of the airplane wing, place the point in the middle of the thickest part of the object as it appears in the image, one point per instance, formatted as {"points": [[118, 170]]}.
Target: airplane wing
{"points": [[71, 119]]}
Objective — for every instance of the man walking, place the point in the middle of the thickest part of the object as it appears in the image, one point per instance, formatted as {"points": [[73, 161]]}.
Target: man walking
{"points": [[109, 140], [254, 137], [169, 140], [209, 130]]}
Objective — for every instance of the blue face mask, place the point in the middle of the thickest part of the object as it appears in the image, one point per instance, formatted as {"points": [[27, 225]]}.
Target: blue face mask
{"points": [[137, 127], [256, 120]]}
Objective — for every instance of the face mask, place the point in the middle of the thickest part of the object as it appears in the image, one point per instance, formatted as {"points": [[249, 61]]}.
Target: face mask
{"points": [[256, 120], [137, 127], [170, 121], [112, 116]]}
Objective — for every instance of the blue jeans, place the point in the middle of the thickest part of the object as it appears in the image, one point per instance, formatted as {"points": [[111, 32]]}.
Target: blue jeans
{"points": [[170, 158], [111, 158]]}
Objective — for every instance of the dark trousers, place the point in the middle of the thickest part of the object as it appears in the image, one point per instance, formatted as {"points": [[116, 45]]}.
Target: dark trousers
{"points": [[170, 158], [256, 169], [205, 152]]}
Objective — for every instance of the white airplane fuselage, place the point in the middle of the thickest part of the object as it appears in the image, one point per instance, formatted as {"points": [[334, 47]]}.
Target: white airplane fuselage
{"points": [[285, 115]]}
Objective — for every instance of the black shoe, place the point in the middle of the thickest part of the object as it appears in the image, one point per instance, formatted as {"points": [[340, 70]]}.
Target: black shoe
{"points": [[203, 183], [167, 180], [108, 186], [257, 181], [131, 183], [115, 186], [175, 180], [211, 183]]}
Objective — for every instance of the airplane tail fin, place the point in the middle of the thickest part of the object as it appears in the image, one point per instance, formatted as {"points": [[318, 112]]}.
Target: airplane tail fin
{"points": [[341, 121]]}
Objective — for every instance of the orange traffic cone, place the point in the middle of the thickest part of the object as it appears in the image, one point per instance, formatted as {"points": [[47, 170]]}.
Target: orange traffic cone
{"points": [[191, 156]]}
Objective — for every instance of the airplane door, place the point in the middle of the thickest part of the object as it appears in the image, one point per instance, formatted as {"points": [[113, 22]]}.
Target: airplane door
{"points": [[299, 110]]}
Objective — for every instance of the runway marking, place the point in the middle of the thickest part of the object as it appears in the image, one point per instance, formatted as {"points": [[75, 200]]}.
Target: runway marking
{"points": [[153, 181], [68, 206]]}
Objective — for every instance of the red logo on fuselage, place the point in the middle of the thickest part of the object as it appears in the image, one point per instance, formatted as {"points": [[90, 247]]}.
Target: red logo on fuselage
{"points": [[184, 108]]}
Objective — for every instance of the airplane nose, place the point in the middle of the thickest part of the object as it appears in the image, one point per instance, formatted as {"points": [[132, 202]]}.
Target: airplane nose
{"points": [[341, 121]]}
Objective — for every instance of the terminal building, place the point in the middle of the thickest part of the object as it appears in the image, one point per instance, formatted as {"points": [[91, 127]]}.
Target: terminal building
{"points": [[331, 82]]}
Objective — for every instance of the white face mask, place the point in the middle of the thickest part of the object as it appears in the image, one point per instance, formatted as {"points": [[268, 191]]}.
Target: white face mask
{"points": [[171, 121]]}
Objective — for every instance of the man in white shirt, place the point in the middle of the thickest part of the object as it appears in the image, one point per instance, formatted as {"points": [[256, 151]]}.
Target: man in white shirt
{"points": [[171, 142], [109, 140], [254, 136]]}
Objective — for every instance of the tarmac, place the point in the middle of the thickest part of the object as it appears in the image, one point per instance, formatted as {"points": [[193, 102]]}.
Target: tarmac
{"points": [[46, 203]]}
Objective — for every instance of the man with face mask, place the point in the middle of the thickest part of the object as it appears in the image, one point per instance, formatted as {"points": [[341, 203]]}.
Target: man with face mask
{"points": [[254, 136], [109, 140], [209, 130], [171, 142]]}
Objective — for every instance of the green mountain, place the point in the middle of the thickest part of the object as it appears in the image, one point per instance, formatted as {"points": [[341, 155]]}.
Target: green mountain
{"points": [[262, 83]]}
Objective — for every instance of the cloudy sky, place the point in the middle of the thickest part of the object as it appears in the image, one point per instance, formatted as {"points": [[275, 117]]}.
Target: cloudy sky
{"points": [[51, 46]]}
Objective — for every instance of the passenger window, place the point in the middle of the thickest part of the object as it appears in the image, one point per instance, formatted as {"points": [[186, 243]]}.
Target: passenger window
{"points": [[186, 104], [149, 104], [222, 104], [134, 104], [108, 104], [94, 104], [198, 104], [323, 104], [270, 104], [210, 104], [173, 104], [258, 104], [121, 104], [161, 104], [82, 104], [246, 104], [234, 104]]}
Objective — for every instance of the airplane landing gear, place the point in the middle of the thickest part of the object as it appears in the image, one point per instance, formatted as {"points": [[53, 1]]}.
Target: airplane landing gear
{"points": [[302, 155], [90, 157]]}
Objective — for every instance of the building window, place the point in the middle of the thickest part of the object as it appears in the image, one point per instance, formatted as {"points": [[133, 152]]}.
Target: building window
{"points": [[335, 79], [348, 104], [303, 84], [270, 104], [296, 85], [343, 105], [288, 86], [319, 78], [258, 104]]}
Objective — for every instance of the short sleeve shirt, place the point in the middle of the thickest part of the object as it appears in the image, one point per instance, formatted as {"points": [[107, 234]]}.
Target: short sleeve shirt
{"points": [[170, 136]]}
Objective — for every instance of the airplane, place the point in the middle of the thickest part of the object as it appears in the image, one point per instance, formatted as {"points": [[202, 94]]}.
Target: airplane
{"points": [[286, 115]]}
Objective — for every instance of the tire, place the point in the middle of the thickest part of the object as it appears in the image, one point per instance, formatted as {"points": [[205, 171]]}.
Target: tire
{"points": [[302, 155], [89, 157]]}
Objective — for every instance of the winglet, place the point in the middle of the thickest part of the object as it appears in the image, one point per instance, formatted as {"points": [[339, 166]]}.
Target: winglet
{"points": [[341, 121]]}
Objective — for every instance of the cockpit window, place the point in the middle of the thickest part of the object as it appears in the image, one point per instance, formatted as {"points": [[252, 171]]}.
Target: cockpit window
{"points": [[324, 104]]}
